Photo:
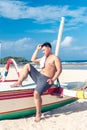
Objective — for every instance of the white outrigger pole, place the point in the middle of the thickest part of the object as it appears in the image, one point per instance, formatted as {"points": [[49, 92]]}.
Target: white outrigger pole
{"points": [[59, 36], [59, 39]]}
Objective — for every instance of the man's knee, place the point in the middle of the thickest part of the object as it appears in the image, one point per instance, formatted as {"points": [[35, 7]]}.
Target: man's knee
{"points": [[36, 94], [27, 66]]}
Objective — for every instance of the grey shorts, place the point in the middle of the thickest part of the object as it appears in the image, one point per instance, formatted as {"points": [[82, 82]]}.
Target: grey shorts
{"points": [[39, 79]]}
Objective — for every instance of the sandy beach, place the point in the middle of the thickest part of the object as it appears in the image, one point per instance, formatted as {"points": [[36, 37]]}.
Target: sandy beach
{"points": [[69, 117]]}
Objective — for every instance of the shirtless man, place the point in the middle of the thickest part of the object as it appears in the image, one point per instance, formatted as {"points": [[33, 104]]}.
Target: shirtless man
{"points": [[43, 79]]}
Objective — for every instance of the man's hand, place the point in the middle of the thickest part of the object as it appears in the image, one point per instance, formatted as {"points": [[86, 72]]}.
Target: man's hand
{"points": [[39, 47], [50, 81], [34, 56]]}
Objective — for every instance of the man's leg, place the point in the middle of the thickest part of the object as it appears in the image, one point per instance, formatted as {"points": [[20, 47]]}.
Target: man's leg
{"points": [[23, 76], [38, 103]]}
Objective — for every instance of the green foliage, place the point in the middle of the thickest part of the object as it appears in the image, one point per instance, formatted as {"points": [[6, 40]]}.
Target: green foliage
{"points": [[17, 59]]}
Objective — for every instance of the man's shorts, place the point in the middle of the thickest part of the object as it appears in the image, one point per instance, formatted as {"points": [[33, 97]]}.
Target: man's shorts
{"points": [[40, 80]]}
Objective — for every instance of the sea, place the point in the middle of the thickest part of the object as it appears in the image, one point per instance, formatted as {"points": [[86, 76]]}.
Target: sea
{"points": [[75, 64]]}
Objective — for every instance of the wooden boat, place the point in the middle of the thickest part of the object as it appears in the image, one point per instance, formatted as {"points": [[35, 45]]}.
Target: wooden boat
{"points": [[18, 102]]}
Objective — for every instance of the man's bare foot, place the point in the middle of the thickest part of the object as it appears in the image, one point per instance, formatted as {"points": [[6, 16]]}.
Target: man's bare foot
{"points": [[38, 118], [16, 85]]}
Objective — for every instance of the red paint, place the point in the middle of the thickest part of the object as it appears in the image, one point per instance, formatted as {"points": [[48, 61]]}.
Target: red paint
{"points": [[13, 94]]}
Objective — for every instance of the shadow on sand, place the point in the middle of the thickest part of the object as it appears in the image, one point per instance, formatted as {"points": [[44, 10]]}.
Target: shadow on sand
{"points": [[68, 109]]}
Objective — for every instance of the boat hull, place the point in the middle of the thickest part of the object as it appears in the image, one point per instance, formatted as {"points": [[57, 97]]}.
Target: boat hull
{"points": [[19, 102]]}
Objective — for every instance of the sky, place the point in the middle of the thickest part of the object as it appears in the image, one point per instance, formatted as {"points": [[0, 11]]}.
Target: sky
{"points": [[26, 23]]}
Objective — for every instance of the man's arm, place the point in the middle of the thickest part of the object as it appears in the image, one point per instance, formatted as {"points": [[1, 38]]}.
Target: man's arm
{"points": [[34, 56], [58, 69]]}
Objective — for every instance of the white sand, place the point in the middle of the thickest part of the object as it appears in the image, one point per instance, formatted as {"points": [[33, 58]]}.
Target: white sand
{"points": [[70, 117], [69, 75]]}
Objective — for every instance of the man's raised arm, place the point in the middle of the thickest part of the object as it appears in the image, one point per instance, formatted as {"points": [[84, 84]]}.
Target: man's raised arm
{"points": [[34, 56]]}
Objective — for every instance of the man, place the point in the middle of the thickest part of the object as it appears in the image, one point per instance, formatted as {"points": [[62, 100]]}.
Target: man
{"points": [[50, 70]]}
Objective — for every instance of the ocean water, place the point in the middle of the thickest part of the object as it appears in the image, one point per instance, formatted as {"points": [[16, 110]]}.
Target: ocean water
{"points": [[81, 64]]}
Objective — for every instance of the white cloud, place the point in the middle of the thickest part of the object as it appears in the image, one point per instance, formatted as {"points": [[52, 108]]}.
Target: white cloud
{"points": [[67, 41], [23, 47], [11, 9], [47, 31], [67, 44], [19, 45], [18, 9], [79, 48], [42, 31], [24, 44]]}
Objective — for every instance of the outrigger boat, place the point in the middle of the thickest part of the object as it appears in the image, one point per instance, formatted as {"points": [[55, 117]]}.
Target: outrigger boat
{"points": [[18, 102]]}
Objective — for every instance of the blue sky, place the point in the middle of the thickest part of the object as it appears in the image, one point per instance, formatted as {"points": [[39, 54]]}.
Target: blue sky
{"points": [[26, 23]]}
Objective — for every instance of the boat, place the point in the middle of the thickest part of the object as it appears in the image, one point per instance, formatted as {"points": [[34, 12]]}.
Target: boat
{"points": [[18, 102]]}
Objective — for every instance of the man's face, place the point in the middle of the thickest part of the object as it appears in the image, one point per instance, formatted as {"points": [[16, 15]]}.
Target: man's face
{"points": [[46, 50]]}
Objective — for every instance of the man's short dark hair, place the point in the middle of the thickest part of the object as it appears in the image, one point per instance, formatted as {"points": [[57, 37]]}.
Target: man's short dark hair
{"points": [[46, 44]]}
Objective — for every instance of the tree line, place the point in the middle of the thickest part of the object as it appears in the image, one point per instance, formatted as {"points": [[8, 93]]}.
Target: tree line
{"points": [[19, 60]]}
